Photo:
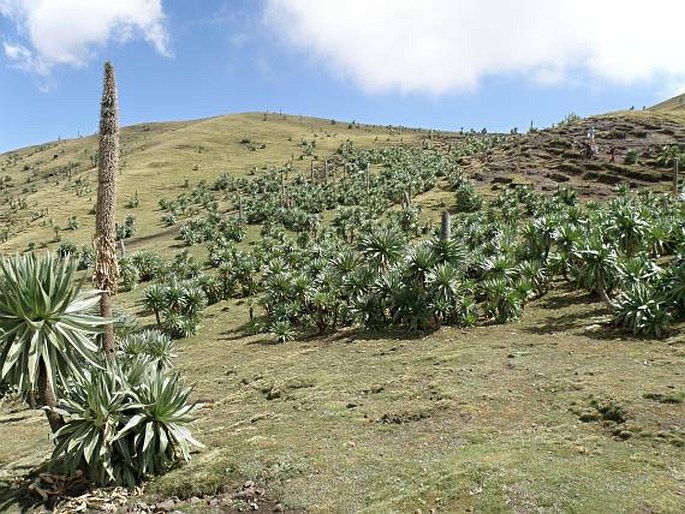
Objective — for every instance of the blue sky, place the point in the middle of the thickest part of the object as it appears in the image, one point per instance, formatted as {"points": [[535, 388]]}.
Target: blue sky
{"points": [[432, 63]]}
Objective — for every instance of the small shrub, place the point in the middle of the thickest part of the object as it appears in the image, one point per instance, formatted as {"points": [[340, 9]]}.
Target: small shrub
{"points": [[282, 331], [169, 219], [124, 323], [673, 397], [129, 274], [152, 345], [468, 199], [86, 257], [67, 248], [132, 201], [6, 389], [127, 229], [177, 306], [609, 410], [675, 283], [180, 326], [632, 157], [502, 301], [211, 287], [571, 117], [149, 264], [153, 301], [124, 422], [566, 195], [642, 310]]}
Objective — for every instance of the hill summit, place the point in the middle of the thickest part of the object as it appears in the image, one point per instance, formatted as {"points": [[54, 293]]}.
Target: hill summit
{"points": [[677, 104]]}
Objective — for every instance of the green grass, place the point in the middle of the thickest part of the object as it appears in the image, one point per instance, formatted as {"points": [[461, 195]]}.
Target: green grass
{"points": [[481, 418], [485, 419]]}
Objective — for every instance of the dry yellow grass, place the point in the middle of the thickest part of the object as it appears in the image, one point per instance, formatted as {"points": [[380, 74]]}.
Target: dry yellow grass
{"points": [[156, 160]]}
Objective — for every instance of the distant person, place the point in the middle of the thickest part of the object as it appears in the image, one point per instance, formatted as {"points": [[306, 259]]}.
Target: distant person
{"points": [[612, 154], [587, 149]]}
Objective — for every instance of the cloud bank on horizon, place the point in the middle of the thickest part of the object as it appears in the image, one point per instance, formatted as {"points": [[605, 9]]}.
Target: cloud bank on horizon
{"points": [[68, 32], [441, 46]]}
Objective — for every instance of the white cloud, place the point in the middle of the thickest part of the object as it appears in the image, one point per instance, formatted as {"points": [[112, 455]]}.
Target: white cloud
{"points": [[17, 52], [67, 32], [437, 46]]}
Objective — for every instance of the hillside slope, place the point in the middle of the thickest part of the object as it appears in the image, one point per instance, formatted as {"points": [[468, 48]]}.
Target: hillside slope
{"points": [[47, 188], [550, 157], [673, 105], [43, 186], [556, 410]]}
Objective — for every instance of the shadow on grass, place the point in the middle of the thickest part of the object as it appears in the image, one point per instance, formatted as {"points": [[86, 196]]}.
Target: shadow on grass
{"points": [[240, 332], [134, 242], [585, 323], [13, 419], [392, 334], [342, 335], [568, 299], [570, 322], [234, 335], [264, 342], [18, 496], [611, 332]]}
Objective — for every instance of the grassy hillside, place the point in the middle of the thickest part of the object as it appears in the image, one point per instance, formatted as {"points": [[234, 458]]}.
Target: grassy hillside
{"points": [[43, 186], [557, 411], [675, 105]]}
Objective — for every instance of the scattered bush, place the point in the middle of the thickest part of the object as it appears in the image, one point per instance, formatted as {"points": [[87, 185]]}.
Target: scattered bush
{"points": [[632, 156], [643, 310], [129, 274], [468, 199], [66, 249], [132, 201], [124, 422], [151, 345], [149, 263], [177, 306], [127, 229]]}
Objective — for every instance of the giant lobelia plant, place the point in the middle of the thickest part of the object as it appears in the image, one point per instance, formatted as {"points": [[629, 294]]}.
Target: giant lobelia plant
{"points": [[46, 329], [125, 421], [106, 273]]}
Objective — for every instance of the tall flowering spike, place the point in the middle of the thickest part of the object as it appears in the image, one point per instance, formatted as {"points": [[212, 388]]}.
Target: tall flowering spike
{"points": [[106, 275]]}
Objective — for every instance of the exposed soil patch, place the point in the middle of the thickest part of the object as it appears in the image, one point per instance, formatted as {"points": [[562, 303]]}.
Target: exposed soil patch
{"points": [[400, 418], [546, 158]]}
